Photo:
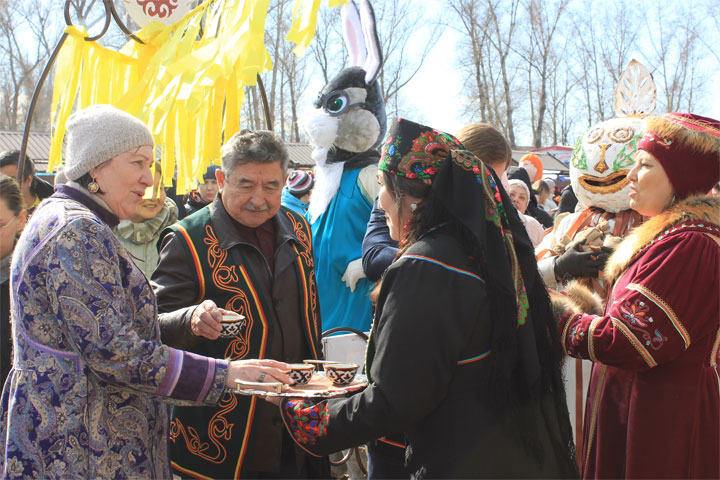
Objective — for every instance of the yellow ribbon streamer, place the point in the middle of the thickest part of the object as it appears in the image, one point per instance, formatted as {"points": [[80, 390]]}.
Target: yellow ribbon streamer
{"points": [[185, 82]]}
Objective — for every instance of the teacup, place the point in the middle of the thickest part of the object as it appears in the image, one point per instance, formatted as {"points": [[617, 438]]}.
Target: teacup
{"points": [[301, 373], [317, 364], [341, 374], [231, 324]]}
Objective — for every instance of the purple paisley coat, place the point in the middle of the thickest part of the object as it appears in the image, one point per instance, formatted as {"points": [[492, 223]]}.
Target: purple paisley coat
{"points": [[91, 386]]}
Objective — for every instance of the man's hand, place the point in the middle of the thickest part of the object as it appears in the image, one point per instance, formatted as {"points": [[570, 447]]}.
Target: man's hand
{"points": [[205, 320], [353, 273], [575, 263]]}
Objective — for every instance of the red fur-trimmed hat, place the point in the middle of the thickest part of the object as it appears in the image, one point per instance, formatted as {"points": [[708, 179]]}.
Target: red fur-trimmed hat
{"points": [[688, 148]]}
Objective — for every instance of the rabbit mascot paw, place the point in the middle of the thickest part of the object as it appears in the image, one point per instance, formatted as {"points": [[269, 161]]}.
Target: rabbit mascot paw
{"points": [[345, 127]]}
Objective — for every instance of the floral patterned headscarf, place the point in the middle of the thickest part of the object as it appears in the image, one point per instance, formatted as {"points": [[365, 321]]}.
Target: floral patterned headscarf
{"points": [[526, 354], [467, 188]]}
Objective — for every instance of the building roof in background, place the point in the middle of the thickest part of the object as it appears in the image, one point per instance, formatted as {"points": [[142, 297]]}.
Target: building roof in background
{"points": [[39, 149], [38, 146], [300, 155]]}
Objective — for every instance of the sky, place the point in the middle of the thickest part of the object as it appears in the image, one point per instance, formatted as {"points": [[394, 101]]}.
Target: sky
{"points": [[435, 92]]}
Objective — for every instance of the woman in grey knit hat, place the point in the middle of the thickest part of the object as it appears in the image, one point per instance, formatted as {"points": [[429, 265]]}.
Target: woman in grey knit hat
{"points": [[91, 385]]}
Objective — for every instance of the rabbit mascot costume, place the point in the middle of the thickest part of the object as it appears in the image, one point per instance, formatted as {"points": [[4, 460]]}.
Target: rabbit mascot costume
{"points": [[580, 242], [345, 128]]}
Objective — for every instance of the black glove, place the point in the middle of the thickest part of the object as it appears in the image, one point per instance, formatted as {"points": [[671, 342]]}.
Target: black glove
{"points": [[575, 263]]}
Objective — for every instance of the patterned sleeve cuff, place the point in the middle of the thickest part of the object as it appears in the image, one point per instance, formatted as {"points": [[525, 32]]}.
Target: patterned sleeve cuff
{"points": [[219, 382], [576, 338], [306, 422], [193, 377]]}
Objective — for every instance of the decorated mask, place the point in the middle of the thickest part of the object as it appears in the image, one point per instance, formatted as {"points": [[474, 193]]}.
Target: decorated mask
{"points": [[601, 161], [604, 155], [168, 12]]}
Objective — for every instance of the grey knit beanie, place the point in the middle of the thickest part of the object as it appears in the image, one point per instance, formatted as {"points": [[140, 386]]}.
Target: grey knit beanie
{"points": [[98, 133]]}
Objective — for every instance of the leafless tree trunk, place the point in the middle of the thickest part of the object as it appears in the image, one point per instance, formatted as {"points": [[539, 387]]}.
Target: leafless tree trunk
{"points": [[473, 26], [403, 58], [501, 39], [327, 48], [27, 32], [675, 45], [543, 23]]}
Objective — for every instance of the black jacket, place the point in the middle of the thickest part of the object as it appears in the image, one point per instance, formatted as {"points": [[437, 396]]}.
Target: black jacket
{"points": [[430, 364]]}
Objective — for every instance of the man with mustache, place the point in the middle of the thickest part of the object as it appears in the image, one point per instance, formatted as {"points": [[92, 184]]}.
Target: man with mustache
{"points": [[246, 254]]}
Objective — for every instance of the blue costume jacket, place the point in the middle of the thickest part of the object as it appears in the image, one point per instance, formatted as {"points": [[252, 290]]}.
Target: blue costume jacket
{"points": [[337, 240]]}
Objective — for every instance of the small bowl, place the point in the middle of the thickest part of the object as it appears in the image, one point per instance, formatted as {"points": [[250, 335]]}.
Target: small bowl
{"points": [[301, 373], [317, 364], [341, 374], [231, 325]]}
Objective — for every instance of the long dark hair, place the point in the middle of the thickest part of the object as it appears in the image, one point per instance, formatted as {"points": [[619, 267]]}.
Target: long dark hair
{"points": [[507, 387], [430, 213], [10, 193]]}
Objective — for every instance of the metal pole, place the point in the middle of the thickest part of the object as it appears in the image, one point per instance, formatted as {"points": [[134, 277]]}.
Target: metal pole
{"points": [[110, 13], [266, 106], [33, 103]]}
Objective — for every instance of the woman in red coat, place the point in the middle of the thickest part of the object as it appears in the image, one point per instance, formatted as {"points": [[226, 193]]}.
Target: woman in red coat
{"points": [[654, 396]]}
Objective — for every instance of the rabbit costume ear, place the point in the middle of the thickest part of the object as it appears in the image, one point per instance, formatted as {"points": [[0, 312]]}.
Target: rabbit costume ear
{"points": [[374, 59], [353, 34], [361, 38]]}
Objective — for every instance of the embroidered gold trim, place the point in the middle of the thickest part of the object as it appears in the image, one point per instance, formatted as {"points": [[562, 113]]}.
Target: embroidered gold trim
{"points": [[564, 335], [714, 351], [593, 418], [655, 298], [716, 344], [591, 332], [704, 127], [635, 342], [713, 238]]}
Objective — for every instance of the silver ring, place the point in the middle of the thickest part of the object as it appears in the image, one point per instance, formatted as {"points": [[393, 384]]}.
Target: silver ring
{"points": [[261, 377]]}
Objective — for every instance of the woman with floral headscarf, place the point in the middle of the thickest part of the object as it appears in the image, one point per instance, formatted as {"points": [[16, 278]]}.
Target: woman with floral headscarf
{"points": [[462, 356]]}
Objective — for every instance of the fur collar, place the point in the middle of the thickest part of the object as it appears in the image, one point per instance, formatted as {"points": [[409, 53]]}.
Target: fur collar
{"points": [[696, 208]]}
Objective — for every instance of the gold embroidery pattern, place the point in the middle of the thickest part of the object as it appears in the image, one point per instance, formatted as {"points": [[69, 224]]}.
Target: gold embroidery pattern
{"points": [[593, 418], [634, 342], [225, 277], [564, 335], [591, 333], [300, 228], [218, 429], [714, 358], [302, 237], [669, 312]]}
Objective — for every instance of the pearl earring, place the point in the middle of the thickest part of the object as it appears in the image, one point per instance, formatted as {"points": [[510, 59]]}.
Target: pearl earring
{"points": [[413, 206]]}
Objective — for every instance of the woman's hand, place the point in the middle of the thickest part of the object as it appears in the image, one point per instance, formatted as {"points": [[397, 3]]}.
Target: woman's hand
{"points": [[258, 371]]}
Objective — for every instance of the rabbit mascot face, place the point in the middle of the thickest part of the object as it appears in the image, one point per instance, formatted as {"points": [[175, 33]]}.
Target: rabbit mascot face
{"points": [[348, 118], [345, 125]]}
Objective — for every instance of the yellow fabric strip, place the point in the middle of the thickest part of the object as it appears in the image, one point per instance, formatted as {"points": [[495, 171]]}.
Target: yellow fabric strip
{"points": [[187, 78]]}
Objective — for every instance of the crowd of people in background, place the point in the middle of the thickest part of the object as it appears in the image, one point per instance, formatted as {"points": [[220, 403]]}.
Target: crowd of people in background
{"points": [[119, 291]]}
